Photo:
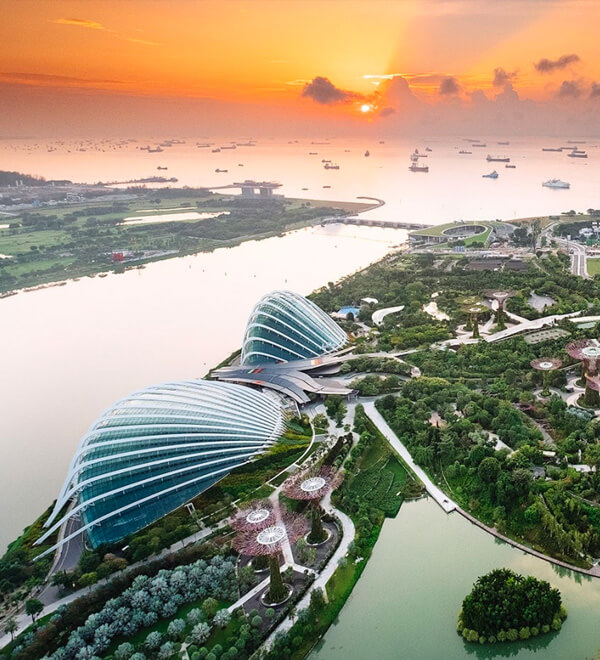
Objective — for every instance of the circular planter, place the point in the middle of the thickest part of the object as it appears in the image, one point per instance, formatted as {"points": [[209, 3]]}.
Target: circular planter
{"points": [[314, 545], [265, 602]]}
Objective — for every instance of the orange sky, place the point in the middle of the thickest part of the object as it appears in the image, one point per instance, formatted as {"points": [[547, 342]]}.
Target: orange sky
{"points": [[264, 51]]}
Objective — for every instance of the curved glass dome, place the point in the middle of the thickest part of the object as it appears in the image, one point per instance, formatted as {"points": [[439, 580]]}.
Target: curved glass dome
{"points": [[284, 326], [158, 448]]}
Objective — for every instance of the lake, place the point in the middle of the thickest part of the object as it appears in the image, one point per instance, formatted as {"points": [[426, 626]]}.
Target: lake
{"points": [[406, 603]]}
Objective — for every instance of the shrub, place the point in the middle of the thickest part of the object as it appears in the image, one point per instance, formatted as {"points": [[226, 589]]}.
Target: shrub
{"points": [[222, 618], [524, 633], [256, 621]]}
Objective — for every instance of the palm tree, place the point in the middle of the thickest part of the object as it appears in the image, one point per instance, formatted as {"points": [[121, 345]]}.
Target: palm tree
{"points": [[10, 627]]}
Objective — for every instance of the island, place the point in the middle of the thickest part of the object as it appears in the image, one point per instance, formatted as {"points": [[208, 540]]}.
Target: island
{"points": [[504, 606]]}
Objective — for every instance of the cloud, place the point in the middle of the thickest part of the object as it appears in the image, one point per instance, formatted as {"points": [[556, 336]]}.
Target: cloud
{"points": [[595, 93], [322, 90], [144, 42], [548, 66], [386, 112], [27, 78], [570, 89], [449, 86], [503, 77], [80, 22]]}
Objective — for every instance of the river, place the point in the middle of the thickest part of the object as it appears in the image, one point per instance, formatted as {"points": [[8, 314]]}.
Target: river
{"points": [[69, 352], [406, 602]]}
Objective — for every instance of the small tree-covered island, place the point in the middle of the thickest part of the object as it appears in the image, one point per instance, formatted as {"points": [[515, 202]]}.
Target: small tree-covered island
{"points": [[504, 606]]}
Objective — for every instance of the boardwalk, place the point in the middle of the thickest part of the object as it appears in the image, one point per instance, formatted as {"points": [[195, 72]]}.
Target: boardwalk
{"points": [[592, 572], [438, 495]]}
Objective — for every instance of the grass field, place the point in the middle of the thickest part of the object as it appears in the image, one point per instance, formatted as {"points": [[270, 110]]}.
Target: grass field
{"points": [[593, 266], [380, 479]]}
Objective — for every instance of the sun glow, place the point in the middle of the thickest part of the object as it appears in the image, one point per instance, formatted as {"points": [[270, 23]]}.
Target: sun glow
{"points": [[365, 107]]}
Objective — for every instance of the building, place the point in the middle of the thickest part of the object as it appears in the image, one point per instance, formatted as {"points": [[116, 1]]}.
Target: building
{"points": [[155, 450], [285, 326]]}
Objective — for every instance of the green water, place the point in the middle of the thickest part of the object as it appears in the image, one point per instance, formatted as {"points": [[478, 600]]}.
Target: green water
{"points": [[406, 602]]}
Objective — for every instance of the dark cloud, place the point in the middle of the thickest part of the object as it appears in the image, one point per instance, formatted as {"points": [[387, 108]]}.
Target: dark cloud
{"points": [[570, 89], [503, 77], [595, 93], [322, 90], [548, 66], [449, 86], [386, 112]]}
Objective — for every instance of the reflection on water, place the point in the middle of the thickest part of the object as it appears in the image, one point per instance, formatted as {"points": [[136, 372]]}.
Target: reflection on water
{"points": [[406, 602], [71, 351]]}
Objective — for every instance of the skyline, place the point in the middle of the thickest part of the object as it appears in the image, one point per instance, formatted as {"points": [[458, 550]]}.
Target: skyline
{"points": [[436, 66]]}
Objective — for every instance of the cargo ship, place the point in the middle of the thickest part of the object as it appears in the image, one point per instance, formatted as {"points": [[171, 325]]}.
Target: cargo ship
{"points": [[556, 183], [491, 175], [497, 159]]}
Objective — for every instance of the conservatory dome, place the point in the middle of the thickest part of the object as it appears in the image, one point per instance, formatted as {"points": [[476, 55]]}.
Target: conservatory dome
{"points": [[285, 326], [158, 448]]}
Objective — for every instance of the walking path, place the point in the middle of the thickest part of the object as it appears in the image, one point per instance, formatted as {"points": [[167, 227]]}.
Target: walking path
{"points": [[438, 495], [592, 572]]}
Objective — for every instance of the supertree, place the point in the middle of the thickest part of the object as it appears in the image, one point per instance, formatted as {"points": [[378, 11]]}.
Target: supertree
{"points": [[311, 486], [473, 308], [546, 365], [500, 296], [589, 352], [262, 532]]}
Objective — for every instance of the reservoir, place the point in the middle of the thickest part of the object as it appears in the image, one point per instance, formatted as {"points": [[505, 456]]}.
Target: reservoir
{"points": [[406, 603], [69, 352]]}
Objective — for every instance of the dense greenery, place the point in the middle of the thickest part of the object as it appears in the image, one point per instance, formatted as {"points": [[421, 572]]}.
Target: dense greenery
{"points": [[505, 606], [73, 240]]}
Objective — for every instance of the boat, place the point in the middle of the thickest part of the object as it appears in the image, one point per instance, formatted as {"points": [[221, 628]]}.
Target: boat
{"points": [[220, 171], [556, 184], [462, 151], [326, 186], [497, 159], [428, 149], [367, 154], [232, 146], [240, 164], [325, 160], [551, 148], [414, 164], [155, 151], [158, 167], [576, 142], [416, 154], [331, 166], [510, 167], [577, 154], [313, 153], [491, 175], [478, 145], [505, 143], [216, 151]]}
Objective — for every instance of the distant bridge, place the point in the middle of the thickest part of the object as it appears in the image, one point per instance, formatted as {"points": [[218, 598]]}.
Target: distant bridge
{"points": [[373, 223]]}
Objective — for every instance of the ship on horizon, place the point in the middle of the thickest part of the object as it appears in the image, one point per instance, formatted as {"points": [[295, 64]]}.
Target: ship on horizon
{"points": [[497, 159], [556, 184]]}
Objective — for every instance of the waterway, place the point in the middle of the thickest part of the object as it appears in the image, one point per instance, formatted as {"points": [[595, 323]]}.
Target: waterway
{"points": [[406, 602], [69, 352]]}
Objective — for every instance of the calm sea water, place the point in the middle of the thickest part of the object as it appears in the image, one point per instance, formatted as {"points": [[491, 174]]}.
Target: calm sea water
{"points": [[406, 602], [69, 352], [453, 189]]}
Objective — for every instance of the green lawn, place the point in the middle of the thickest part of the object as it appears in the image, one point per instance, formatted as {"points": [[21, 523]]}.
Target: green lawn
{"points": [[593, 265]]}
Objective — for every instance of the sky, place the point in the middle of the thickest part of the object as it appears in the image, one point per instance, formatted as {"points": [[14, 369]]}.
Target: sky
{"points": [[206, 67]]}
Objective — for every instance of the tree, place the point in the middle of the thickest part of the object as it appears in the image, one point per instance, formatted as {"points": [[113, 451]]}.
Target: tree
{"points": [[209, 607], [33, 607], [153, 641], [124, 651], [10, 627], [176, 629], [222, 618], [200, 632], [488, 469]]}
